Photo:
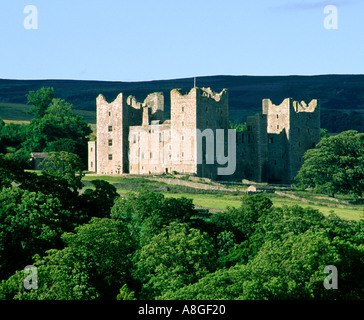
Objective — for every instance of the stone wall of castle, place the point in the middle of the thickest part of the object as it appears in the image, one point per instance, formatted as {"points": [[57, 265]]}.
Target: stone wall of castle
{"points": [[292, 128], [133, 137]]}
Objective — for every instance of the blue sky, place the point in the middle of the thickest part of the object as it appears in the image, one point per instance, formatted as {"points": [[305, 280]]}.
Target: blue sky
{"points": [[139, 40]]}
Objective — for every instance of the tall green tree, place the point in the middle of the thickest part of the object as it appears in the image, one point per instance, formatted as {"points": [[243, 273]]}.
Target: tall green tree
{"points": [[30, 223], [59, 129], [104, 248], [40, 101], [64, 165], [177, 256], [59, 277], [146, 212], [335, 165]]}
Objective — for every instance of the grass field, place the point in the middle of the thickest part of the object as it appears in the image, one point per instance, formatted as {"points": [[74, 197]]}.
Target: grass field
{"points": [[221, 200]]}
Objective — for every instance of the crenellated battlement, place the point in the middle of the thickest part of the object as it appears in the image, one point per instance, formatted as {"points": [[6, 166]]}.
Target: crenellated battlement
{"points": [[133, 137]]}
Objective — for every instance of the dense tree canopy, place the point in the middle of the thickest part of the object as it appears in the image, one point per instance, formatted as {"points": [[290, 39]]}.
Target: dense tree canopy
{"points": [[58, 129], [92, 243], [335, 165]]}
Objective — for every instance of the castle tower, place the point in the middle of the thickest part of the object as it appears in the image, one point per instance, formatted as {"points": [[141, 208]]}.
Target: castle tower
{"points": [[113, 121], [195, 116], [292, 128]]}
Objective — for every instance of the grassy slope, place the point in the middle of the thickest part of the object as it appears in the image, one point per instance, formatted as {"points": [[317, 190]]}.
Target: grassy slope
{"points": [[222, 200]]}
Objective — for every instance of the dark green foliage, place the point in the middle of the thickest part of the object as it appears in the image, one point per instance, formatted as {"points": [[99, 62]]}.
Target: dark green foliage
{"points": [[147, 212], [29, 224], [100, 200], [175, 257], [40, 101], [58, 129], [335, 165], [147, 246]]}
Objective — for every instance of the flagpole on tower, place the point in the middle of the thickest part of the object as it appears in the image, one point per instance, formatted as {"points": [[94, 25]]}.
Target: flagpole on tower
{"points": [[194, 82]]}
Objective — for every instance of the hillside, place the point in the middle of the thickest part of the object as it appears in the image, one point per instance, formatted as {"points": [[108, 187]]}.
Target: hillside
{"points": [[342, 93]]}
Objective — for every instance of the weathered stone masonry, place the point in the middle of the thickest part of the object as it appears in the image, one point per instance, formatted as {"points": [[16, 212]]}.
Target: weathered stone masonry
{"points": [[133, 137]]}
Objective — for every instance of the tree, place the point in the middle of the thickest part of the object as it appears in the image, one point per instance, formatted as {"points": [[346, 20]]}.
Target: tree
{"points": [[125, 294], [146, 212], [104, 248], [64, 165], [99, 201], [40, 100], [335, 165], [286, 269], [59, 129], [59, 278], [172, 259], [29, 223]]}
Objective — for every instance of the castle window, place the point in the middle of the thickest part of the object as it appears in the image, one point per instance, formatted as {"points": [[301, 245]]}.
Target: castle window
{"points": [[110, 156], [207, 123], [92, 164], [277, 116], [134, 138], [277, 126], [183, 154], [170, 147], [183, 109], [109, 114], [160, 137], [110, 142], [142, 155], [92, 149], [151, 155], [182, 138], [183, 123], [110, 128]]}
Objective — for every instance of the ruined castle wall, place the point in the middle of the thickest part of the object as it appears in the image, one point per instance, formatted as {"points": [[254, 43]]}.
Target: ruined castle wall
{"points": [[252, 150], [109, 135], [183, 131], [304, 133], [212, 114], [293, 127], [150, 148], [113, 121], [92, 160]]}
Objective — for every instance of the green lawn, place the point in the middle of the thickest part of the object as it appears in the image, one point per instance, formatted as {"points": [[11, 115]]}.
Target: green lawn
{"points": [[222, 201]]}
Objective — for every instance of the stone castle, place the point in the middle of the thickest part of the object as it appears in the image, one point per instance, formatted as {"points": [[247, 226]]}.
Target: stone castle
{"points": [[133, 137]]}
